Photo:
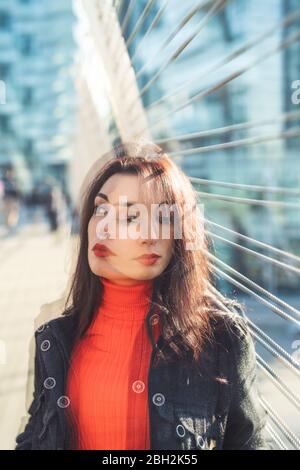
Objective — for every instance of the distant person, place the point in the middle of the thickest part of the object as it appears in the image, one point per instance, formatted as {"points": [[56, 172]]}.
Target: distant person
{"points": [[55, 207], [11, 201], [75, 222], [1, 189]]}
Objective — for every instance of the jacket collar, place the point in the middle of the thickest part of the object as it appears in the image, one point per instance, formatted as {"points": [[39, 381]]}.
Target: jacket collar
{"points": [[64, 329]]}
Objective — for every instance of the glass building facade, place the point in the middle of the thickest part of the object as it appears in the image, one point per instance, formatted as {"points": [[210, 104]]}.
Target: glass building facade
{"points": [[36, 57], [234, 70]]}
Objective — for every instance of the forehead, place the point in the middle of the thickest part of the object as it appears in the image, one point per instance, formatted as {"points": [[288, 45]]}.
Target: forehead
{"points": [[135, 188]]}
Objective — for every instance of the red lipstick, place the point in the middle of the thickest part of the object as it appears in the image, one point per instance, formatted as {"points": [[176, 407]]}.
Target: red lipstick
{"points": [[101, 250], [149, 259]]}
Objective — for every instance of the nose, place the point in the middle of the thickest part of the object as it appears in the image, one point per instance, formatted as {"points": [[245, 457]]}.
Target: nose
{"points": [[149, 242], [102, 230]]}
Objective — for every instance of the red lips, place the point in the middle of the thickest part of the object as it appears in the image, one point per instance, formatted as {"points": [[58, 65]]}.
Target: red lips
{"points": [[149, 256], [102, 250], [149, 259]]}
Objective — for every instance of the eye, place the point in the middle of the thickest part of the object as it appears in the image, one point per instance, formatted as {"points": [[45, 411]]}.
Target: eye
{"points": [[132, 218], [99, 209]]}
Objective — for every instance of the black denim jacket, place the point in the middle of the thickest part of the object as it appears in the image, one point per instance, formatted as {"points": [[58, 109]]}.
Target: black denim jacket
{"points": [[188, 408]]}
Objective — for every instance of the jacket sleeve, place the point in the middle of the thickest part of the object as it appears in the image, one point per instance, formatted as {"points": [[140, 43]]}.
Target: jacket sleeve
{"points": [[25, 438], [247, 418]]}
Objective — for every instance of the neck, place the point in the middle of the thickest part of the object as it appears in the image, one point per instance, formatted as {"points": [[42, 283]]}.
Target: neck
{"points": [[126, 302]]}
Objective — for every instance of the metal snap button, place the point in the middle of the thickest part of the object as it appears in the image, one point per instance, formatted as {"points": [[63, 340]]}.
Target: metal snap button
{"points": [[45, 345], [180, 431], [49, 382], [158, 399], [63, 401]]}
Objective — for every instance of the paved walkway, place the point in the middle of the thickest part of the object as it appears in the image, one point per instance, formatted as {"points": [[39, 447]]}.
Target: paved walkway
{"points": [[34, 268]]}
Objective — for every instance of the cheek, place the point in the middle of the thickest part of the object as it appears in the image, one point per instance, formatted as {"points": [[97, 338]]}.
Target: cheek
{"points": [[91, 230], [168, 247], [126, 248]]}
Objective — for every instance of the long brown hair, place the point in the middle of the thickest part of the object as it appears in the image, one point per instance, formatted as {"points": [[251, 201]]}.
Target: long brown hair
{"points": [[181, 291]]}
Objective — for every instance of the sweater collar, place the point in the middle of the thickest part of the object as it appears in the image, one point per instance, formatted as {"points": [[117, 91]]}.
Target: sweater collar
{"points": [[126, 302]]}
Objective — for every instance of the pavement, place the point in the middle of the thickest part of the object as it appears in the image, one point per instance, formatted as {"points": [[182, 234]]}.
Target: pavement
{"points": [[34, 272]]}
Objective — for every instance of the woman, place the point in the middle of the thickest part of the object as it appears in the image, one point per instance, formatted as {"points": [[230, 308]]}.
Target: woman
{"points": [[143, 356]]}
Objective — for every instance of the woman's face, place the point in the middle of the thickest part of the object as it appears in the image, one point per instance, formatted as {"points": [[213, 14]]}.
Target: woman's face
{"points": [[121, 263]]}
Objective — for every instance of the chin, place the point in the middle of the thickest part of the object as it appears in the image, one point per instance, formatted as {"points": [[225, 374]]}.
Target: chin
{"points": [[96, 268], [149, 273]]}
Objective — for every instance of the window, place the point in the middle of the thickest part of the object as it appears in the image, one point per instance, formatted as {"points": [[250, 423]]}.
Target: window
{"points": [[26, 44], [5, 20], [28, 147], [232, 20], [4, 123], [4, 71], [27, 96]]}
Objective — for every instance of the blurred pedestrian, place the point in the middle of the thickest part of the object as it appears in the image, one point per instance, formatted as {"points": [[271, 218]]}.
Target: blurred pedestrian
{"points": [[11, 201], [55, 207]]}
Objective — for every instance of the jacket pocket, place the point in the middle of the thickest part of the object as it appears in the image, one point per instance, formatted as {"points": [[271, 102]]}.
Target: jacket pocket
{"points": [[27, 438], [194, 427], [166, 411], [164, 427]]}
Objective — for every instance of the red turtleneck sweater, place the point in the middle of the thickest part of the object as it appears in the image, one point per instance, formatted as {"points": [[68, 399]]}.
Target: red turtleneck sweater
{"points": [[107, 380]]}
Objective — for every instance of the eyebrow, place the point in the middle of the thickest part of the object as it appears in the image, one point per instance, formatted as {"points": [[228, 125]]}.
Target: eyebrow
{"points": [[104, 196], [117, 204]]}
